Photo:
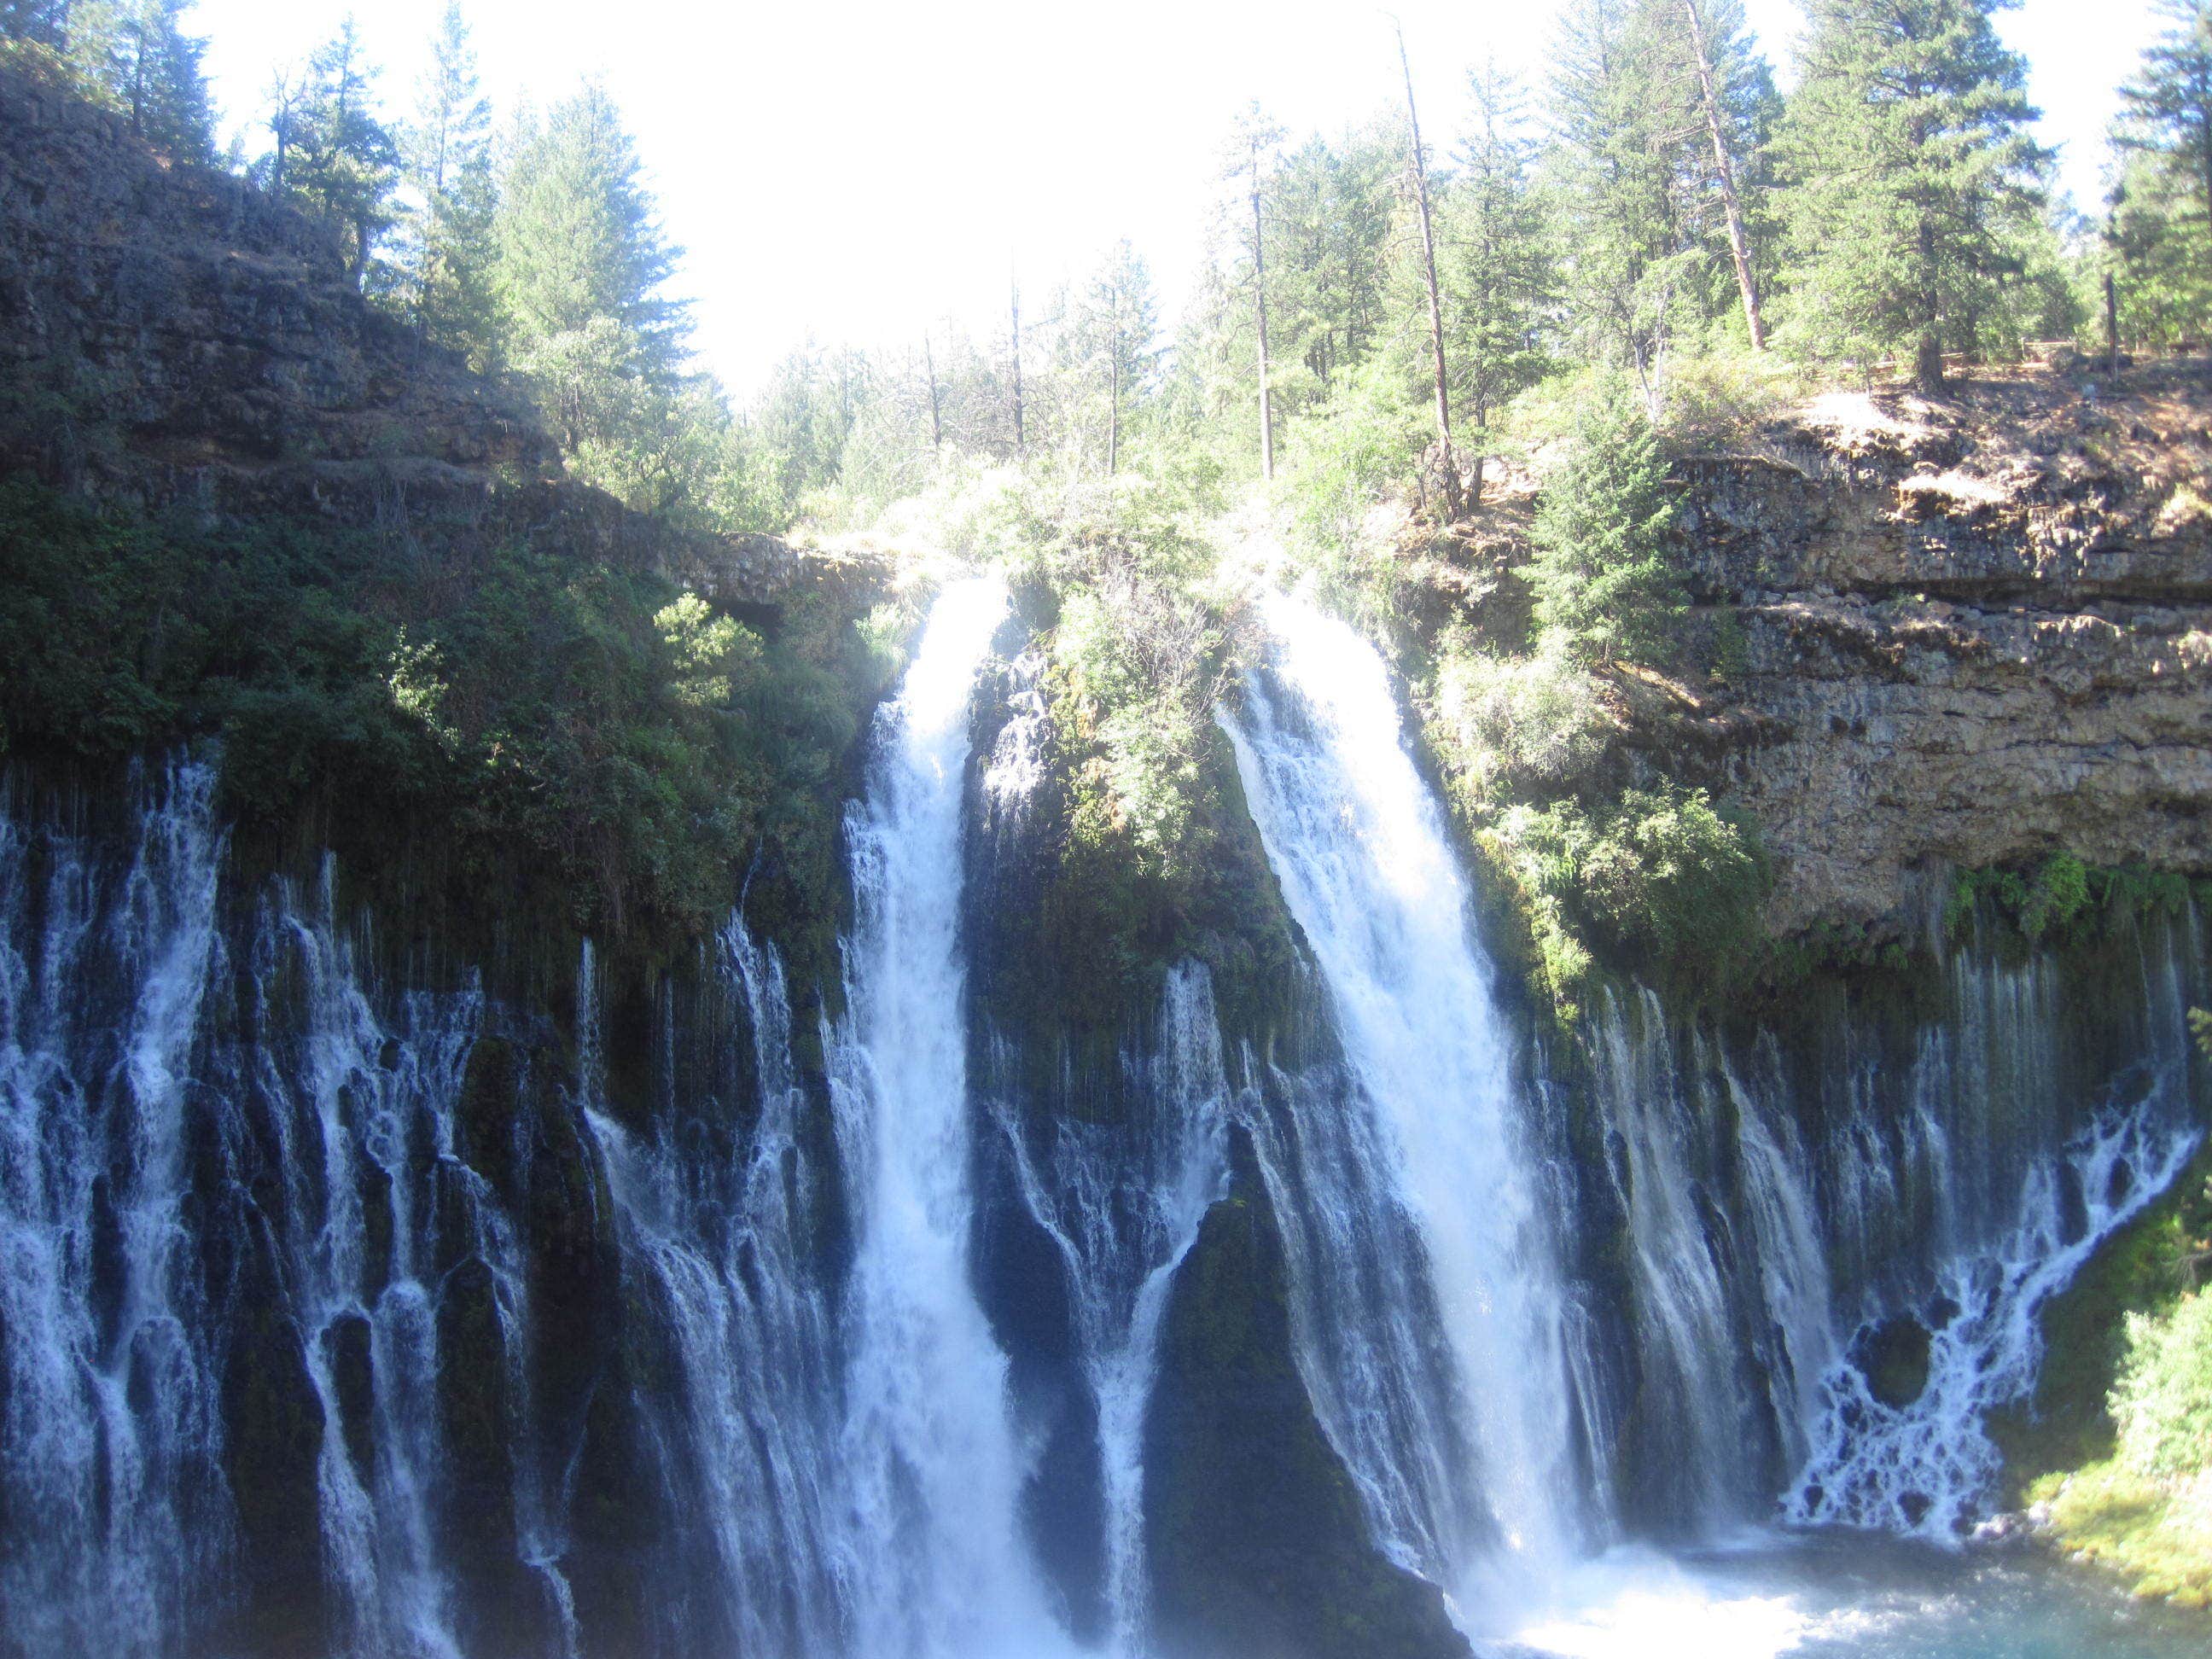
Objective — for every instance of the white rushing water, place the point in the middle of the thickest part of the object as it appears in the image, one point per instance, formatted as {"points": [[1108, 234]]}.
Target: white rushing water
{"points": [[131, 1046], [1122, 1204], [725, 1243], [1476, 1489], [941, 1566]]}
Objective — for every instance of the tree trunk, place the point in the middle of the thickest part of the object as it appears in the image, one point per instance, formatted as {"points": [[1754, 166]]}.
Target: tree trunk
{"points": [[1021, 440], [1114, 419], [1260, 296], [936, 410], [2111, 325], [1739, 246], [1452, 502], [1928, 367]]}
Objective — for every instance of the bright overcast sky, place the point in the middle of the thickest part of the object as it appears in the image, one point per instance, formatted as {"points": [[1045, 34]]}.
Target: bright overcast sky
{"points": [[852, 172]]}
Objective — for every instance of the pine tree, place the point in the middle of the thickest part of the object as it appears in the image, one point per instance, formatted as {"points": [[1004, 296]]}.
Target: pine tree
{"points": [[131, 56], [1115, 325], [2160, 225], [1498, 266], [577, 245], [1603, 585], [1912, 189], [443, 267], [342, 159]]}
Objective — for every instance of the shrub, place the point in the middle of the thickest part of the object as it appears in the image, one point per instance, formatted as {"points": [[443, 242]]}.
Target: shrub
{"points": [[2161, 1402], [1662, 878], [1513, 727], [1603, 584]]}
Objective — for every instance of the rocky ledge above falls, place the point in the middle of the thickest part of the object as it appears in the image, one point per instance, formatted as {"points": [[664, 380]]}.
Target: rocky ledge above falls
{"points": [[172, 337], [1957, 633]]}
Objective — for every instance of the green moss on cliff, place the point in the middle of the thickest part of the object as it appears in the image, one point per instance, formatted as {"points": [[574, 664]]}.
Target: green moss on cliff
{"points": [[521, 731]]}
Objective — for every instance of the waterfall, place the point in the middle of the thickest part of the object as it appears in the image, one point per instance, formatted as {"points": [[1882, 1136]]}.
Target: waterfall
{"points": [[2029, 1181], [1473, 1470], [940, 1566], [1942, 1183], [1121, 1202], [727, 1244], [112, 1380], [146, 1076]]}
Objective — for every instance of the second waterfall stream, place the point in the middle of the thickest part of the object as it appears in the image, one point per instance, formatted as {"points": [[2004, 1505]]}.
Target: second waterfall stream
{"points": [[1424, 1192]]}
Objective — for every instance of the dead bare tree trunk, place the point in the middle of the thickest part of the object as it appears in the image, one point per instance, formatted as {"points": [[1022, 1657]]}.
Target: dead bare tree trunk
{"points": [[1021, 439], [936, 409], [1738, 245], [1449, 463], [1260, 296]]}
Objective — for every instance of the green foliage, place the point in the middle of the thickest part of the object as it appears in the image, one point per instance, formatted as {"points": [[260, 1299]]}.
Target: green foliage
{"points": [[2158, 236], [1912, 188], [1349, 452], [607, 742], [439, 275], [577, 241], [2064, 901], [2162, 1401], [135, 57], [1603, 584], [1662, 880], [1497, 257], [1513, 728], [335, 152], [2119, 1443]]}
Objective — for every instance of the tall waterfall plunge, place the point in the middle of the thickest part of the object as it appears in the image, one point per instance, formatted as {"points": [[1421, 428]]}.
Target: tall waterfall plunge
{"points": [[928, 1439], [1419, 1204]]}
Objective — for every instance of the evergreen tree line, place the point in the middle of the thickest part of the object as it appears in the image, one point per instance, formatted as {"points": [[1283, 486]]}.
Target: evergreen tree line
{"points": [[1365, 300], [1654, 204], [534, 249]]}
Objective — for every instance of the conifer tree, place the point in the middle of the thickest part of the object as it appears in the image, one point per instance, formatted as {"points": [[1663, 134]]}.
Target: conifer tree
{"points": [[1621, 136], [339, 155], [443, 275], [1498, 268], [136, 56], [2160, 230], [1115, 324], [577, 243], [1912, 187]]}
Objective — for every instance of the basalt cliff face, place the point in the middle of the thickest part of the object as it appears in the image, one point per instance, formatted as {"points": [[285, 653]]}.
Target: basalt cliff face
{"points": [[1955, 635], [1975, 634], [172, 337]]}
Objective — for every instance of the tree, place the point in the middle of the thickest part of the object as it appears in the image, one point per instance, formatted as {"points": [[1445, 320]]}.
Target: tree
{"points": [[343, 159], [1447, 462], [132, 55], [1254, 150], [1913, 189], [1604, 587], [577, 244], [1115, 324], [1717, 124], [1499, 267], [2160, 226], [443, 267]]}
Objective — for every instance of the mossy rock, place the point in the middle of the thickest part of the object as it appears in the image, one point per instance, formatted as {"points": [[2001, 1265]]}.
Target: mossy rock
{"points": [[273, 1443], [1255, 1538]]}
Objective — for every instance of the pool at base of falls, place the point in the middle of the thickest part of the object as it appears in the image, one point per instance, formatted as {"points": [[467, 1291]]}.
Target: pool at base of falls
{"points": [[1848, 1595]]}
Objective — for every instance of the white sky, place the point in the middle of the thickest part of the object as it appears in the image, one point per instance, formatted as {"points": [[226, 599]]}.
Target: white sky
{"points": [[852, 172]]}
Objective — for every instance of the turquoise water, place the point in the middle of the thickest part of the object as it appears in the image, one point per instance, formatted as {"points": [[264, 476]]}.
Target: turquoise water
{"points": [[1832, 1596]]}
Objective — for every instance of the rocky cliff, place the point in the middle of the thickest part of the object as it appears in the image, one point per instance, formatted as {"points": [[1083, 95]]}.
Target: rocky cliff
{"points": [[1954, 635], [173, 337]]}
